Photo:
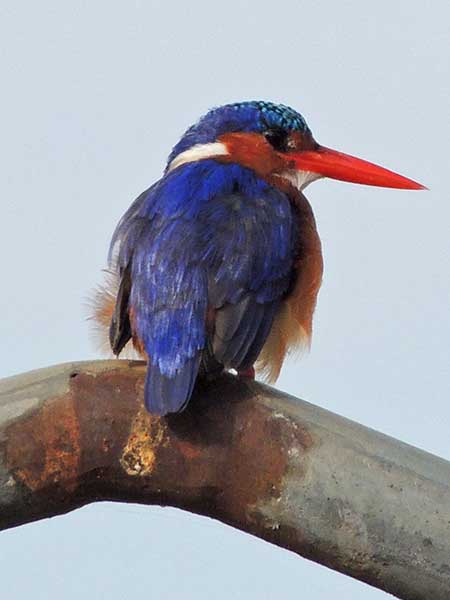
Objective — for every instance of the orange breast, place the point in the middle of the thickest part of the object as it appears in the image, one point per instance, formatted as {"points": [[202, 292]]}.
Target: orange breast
{"points": [[292, 327]]}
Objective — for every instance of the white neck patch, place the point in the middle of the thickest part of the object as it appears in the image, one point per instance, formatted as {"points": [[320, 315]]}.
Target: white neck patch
{"points": [[300, 179], [198, 152]]}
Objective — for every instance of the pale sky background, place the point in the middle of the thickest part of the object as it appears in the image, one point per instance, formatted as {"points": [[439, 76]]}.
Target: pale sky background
{"points": [[93, 96]]}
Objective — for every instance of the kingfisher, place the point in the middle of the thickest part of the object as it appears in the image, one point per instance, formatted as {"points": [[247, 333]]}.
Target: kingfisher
{"points": [[217, 265]]}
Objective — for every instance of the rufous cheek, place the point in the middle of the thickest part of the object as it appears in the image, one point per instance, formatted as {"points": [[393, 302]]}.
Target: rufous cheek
{"points": [[251, 150]]}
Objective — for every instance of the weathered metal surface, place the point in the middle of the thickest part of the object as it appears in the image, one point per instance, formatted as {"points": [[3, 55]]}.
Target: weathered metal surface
{"points": [[275, 466]]}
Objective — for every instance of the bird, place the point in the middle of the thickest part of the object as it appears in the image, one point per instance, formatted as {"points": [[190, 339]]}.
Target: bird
{"points": [[217, 266]]}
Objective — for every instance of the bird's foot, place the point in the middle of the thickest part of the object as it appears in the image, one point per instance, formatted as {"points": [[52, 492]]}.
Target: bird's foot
{"points": [[247, 373]]}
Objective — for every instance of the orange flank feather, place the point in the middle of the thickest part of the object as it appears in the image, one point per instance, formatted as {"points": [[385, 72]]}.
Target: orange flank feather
{"points": [[137, 344], [101, 305], [292, 327]]}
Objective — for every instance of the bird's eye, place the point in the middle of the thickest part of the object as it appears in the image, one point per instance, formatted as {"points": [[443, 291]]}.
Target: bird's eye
{"points": [[278, 139]]}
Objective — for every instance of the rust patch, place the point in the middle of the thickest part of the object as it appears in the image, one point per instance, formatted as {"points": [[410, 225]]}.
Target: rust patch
{"points": [[188, 450], [44, 449], [260, 453], [105, 404], [258, 463], [147, 434]]}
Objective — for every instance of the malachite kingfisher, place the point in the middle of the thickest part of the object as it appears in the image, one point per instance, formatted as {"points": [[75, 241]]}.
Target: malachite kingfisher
{"points": [[218, 264]]}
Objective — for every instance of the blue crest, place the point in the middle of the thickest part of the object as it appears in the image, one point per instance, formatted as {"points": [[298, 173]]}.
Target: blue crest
{"points": [[249, 116], [274, 115]]}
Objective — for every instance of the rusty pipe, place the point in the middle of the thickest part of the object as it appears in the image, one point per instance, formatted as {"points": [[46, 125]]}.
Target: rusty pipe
{"points": [[275, 466]]}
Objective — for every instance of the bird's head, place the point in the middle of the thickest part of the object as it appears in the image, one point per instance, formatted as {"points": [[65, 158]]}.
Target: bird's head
{"points": [[274, 141]]}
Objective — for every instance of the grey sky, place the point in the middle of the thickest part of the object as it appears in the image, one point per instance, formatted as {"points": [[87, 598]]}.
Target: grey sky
{"points": [[93, 97]]}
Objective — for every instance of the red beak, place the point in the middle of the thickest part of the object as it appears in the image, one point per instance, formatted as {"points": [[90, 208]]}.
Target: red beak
{"points": [[330, 163]]}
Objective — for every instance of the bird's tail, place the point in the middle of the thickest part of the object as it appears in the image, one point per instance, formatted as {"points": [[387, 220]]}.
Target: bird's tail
{"points": [[164, 394]]}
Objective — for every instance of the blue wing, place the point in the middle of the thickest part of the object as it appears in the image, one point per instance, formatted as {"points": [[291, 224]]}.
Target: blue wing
{"points": [[206, 239]]}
